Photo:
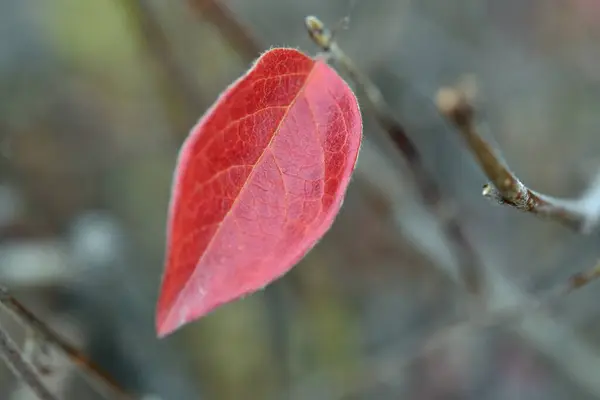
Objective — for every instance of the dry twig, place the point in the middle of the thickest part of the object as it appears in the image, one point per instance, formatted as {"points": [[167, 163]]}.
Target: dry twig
{"points": [[468, 260], [539, 328], [582, 214], [177, 87], [232, 30], [12, 356], [29, 319]]}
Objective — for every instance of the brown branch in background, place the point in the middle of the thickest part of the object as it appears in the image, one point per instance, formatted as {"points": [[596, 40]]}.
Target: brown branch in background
{"points": [[235, 33], [178, 88], [468, 260], [12, 356], [23, 314], [582, 214], [504, 187]]}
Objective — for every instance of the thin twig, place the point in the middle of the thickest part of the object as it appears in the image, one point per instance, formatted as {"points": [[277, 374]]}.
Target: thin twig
{"points": [[177, 86], [581, 214], [29, 319], [468, 259], [12, 356], [232, 30]]}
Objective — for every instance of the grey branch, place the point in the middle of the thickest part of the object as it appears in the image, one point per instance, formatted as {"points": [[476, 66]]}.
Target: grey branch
{"points": [[13, 358], [504, 187], [539, 328], [581, 214], [23, 314]]}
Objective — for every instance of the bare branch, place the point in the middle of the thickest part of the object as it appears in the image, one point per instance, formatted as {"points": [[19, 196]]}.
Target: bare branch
{"points": [[581, 214], [12, 356], [234, 32], [177, 87], [504, 187], [23, 314], [568, 357], [468, 259]]}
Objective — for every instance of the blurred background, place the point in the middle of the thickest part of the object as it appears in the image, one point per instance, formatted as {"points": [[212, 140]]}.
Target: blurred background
{"points": [[96, 98]]}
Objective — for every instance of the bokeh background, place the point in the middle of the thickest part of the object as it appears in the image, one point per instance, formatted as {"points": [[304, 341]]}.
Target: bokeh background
{"points": [[97, 96]]}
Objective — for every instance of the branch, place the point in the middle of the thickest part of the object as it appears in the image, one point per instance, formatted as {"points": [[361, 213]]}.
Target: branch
{"points": [[468, 260], [232, 30], [581, 214], [540, 328], [11, 355], [23, 314], [177, 87], [504, 187]]}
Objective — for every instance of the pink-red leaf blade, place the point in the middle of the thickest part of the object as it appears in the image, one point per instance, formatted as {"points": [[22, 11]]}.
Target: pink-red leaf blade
{"points": [[258, 182]]}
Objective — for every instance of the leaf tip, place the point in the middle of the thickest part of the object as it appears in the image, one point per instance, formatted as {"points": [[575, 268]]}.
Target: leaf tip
{"points": [[165, 322], [163, 328]]}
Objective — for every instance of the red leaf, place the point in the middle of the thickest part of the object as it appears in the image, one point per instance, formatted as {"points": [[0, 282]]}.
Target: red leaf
{"points": [[258, 182]]}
